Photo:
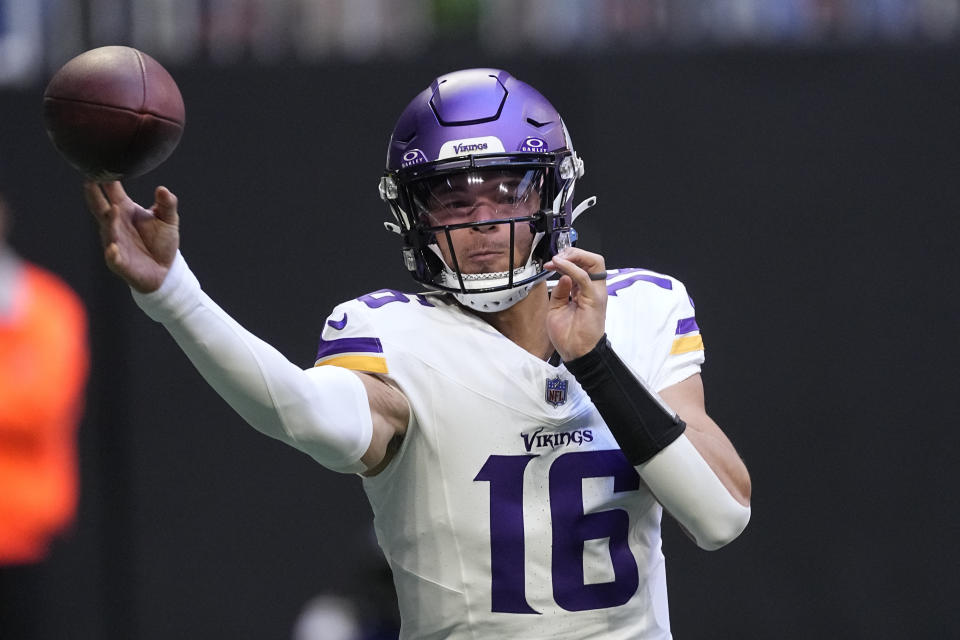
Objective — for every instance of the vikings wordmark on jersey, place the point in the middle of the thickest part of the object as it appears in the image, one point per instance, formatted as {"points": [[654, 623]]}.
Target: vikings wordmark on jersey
{"points": [[509, 510]]}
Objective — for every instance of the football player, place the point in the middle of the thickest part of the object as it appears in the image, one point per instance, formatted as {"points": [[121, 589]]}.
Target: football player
{"points": [[518, 439]]}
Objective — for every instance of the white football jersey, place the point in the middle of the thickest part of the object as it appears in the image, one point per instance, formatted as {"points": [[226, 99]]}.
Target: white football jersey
{"points": [[509, 510]]}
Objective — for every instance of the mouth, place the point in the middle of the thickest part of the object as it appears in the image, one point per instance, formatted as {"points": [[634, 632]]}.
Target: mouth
{"points": [[486, 251], [484, 254], [484, 260]]}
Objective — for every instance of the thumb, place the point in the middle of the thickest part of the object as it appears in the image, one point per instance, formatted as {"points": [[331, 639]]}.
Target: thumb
{"points": [[560, 295], [165, 206]]}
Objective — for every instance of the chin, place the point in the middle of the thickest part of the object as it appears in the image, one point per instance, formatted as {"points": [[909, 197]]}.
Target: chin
{"points": [[474, 268], [495, 266]]}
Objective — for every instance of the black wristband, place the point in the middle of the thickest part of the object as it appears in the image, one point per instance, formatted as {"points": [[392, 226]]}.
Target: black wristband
{"points": [[636, 419]]}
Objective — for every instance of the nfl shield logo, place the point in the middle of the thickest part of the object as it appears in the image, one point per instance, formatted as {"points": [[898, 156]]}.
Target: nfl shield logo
{"points": [[556, 393]]}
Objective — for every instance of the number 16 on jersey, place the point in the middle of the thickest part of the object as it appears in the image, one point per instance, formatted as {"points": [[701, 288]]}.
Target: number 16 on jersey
{"points": [[571, 529]]}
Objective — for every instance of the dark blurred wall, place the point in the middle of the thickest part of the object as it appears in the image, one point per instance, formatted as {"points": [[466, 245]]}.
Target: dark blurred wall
{"points": [[807, 200]]}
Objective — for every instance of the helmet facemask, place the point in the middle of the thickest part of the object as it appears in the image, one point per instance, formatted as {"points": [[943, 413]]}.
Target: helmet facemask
{"points": [[526, 194]]}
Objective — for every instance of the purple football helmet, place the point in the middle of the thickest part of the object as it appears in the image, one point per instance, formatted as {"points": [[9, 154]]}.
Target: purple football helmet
{"points": [[480, 127]]}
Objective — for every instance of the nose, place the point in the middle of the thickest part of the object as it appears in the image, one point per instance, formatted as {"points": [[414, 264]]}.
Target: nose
{"points": [[484, 211]]}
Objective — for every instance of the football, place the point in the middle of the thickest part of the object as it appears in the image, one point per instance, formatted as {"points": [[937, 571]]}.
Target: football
{"points": [[113, 112]]}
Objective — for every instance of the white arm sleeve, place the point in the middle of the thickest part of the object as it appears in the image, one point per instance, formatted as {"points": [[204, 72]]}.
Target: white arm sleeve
{"points": [[688, 488], [323, 411]]}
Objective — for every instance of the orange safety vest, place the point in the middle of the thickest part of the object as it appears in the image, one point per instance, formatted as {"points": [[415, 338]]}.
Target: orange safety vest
{"points": [[43, 369]]}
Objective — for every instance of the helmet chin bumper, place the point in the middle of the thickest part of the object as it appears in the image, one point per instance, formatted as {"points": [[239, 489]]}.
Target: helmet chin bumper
{"points": [[494, 300], [476, 292]]}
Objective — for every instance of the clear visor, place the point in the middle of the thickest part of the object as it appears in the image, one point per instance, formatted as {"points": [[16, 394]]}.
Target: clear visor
{"points": [[495, 193]]}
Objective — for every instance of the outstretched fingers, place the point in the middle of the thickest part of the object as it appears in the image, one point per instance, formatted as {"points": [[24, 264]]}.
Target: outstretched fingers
{"points": [[103, 211], [165, 206], [115, 192], [113, 256], [96, 200], [139, 244]]}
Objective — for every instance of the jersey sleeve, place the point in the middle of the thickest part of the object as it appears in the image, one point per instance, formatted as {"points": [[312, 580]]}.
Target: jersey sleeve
{"points": [[685, 354], [350, 340]]}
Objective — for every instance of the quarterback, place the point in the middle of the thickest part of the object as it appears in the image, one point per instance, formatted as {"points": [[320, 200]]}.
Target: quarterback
{"points": [[519, 459]]}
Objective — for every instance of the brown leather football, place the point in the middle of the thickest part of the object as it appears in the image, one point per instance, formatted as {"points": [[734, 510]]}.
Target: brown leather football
{"points": [[113, 112]]}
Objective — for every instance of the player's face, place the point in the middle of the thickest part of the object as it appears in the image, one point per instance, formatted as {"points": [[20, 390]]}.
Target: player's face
{"points": [[481, 196]]}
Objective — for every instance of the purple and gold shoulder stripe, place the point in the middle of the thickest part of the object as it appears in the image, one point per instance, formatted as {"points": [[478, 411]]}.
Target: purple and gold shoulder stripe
{"points": [[633, 275], [359, 354], [687, 338]]}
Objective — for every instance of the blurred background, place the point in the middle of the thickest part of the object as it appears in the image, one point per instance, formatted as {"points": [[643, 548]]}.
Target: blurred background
{"points": [[793, 161]]}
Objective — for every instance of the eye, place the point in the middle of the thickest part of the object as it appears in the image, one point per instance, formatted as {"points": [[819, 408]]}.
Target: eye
{"points": [[509, 194], [453, 201]]}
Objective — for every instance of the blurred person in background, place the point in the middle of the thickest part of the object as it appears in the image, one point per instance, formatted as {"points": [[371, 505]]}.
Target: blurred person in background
{"points": [[369, 612], [43, 371], [328, 617], [518, 444]]}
